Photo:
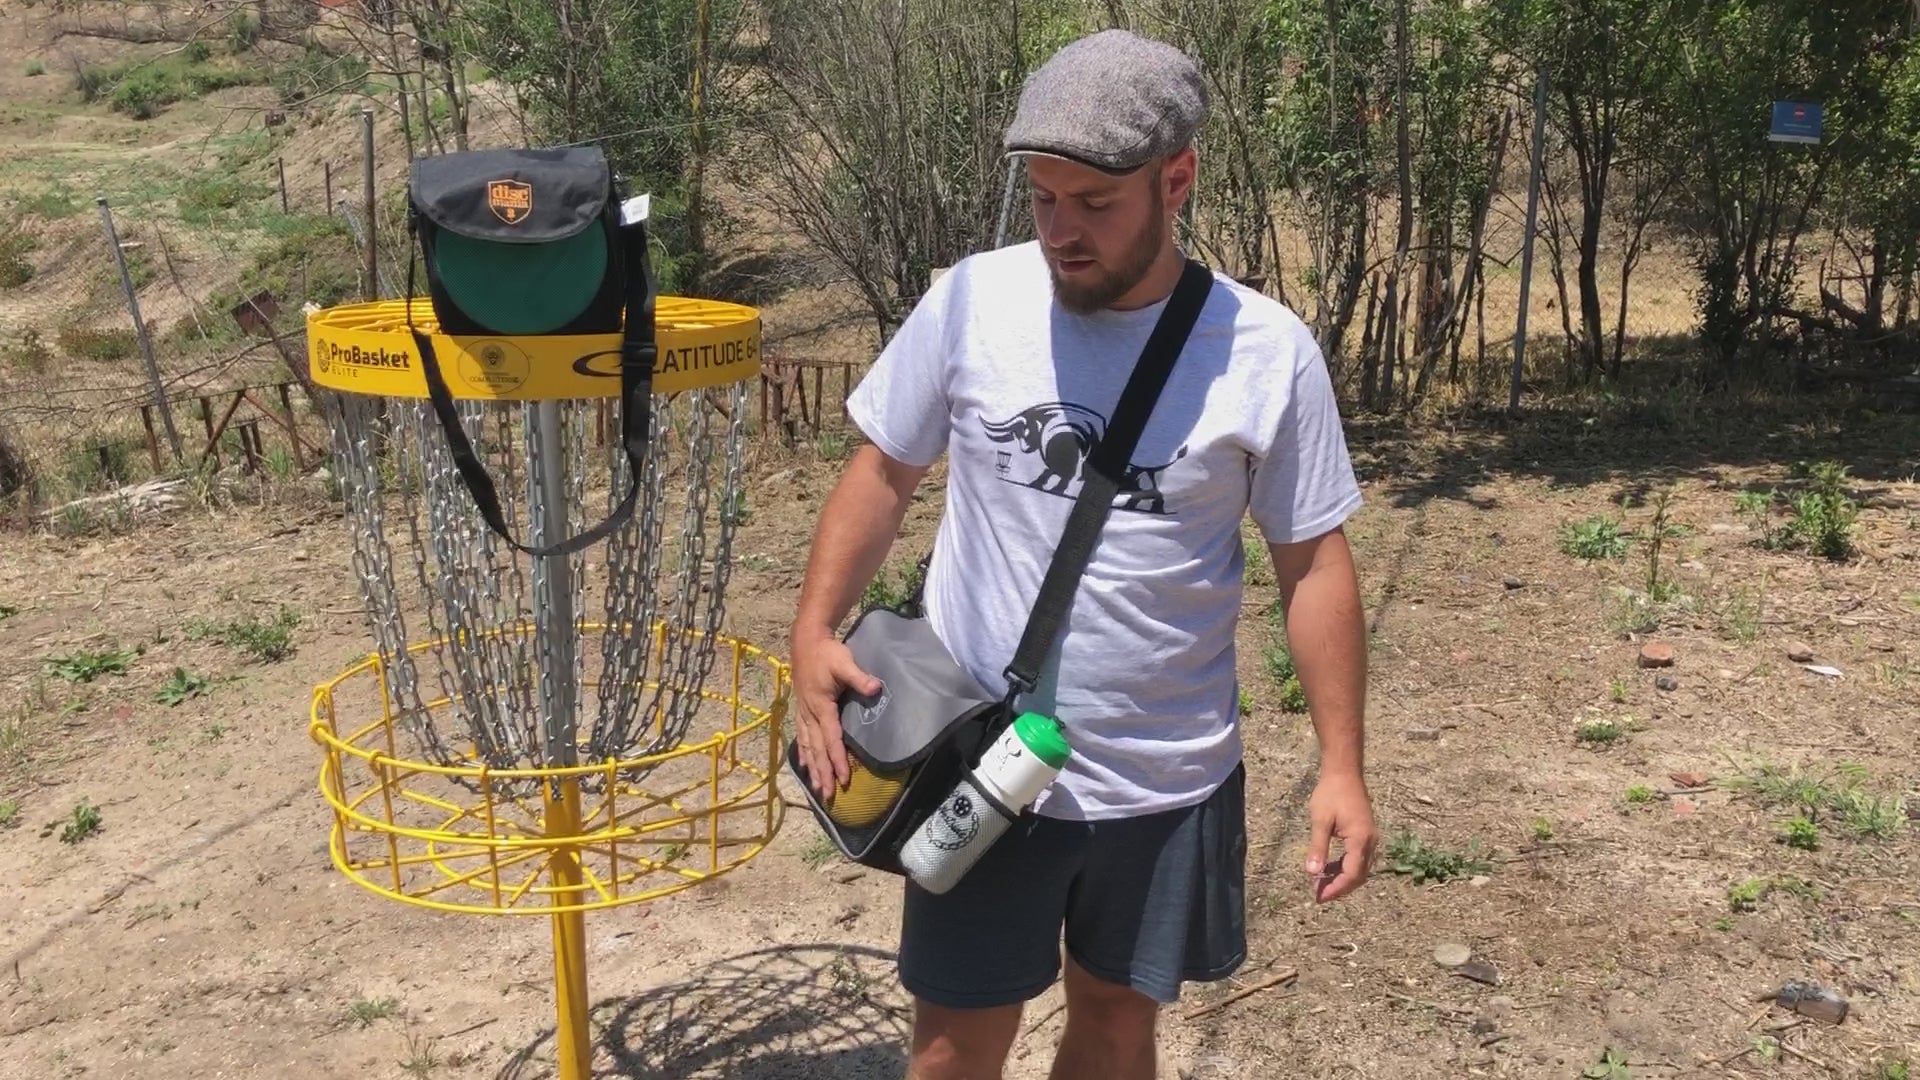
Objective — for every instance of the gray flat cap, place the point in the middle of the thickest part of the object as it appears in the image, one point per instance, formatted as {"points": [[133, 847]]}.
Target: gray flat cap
{"points": [[1112, 100]]}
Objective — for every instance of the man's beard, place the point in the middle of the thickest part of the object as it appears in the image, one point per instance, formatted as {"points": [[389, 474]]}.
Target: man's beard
{"points": [[1086, 297]]}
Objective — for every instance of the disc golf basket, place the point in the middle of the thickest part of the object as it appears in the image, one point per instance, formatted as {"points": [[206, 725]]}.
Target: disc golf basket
{"points": [[544, 735]]}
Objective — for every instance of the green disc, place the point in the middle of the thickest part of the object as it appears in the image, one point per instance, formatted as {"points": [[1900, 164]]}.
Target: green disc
{"points": [[523, 288]]}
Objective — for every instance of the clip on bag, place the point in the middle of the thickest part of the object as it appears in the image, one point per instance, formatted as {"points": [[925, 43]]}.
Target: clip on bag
{"points": [[908, 746], [525, 242]]}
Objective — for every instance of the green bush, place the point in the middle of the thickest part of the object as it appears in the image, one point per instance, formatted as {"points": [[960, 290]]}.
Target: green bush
{"points": [[144, 94], [1596, 537], [15, 246], [87, 343]]}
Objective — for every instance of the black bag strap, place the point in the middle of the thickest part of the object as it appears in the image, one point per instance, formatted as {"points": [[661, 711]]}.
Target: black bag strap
{"points": [[637, 352], [1106, 467]]}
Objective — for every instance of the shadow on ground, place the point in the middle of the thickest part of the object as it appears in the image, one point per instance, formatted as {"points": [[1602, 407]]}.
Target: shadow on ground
{"points": [[1645, 436], [792, 1012]]}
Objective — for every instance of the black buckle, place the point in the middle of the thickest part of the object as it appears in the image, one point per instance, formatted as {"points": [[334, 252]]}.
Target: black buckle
{"points": [[1017, 684]]}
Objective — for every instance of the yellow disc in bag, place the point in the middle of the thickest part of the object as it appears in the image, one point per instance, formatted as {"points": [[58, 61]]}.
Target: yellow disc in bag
{"points": [[867, 797]]}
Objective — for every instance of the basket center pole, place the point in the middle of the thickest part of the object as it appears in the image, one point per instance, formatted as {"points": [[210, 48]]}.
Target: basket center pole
{"points": [[556, 632]]}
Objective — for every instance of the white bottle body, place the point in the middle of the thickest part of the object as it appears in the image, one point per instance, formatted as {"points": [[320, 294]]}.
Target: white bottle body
{"points": [[966, 823]]}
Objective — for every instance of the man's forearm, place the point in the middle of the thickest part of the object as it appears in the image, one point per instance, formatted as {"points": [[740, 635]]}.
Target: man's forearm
{"points": [[856, 530], [1327, 636]]}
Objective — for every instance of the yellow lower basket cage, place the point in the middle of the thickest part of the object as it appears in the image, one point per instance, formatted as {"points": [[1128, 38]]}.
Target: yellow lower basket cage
{"points": [[462, 837]]}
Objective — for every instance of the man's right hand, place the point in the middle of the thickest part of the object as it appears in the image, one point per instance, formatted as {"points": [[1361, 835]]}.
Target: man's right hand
{"points": [[823, 667]]}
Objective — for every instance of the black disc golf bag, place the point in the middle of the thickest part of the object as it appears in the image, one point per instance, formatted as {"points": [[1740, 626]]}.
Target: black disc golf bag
{"points": [[524, 243]]}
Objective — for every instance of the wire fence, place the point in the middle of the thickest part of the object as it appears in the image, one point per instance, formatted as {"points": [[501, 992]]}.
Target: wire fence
{"points": [[157, 322]]}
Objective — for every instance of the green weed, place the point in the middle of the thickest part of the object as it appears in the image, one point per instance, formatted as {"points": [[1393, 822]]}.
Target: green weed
{"points": [[365, 1011], [1799, 887], [1600, 731], [86, 666], [89, 343], [264, 640], [891, 589], [1835, 792], [1865, 815], [35, 68], [1408, 855], [1594, 538], [1293, 697], [1821, 519], [1800, 832], [1640, 794], [1740, 617], [819, 853], [9, 813], [83, 822], [1542, 829], [181, 686], [1746, 896], [1611, 1066], [15, 245]]}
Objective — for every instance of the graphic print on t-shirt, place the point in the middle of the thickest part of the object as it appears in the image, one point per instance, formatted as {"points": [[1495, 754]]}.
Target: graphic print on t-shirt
{"points": [[1050, 446]]}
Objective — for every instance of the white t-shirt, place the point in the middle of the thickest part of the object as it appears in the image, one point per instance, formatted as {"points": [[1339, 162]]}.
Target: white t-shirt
{"points": [[1015, 389]]}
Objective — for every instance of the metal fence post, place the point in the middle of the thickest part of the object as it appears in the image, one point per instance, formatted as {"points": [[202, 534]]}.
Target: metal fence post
{"points": [[140, 328], [1533, 217]]}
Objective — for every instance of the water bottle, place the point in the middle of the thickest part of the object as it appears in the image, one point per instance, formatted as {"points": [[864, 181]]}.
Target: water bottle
{"points": [[1014, 771]]}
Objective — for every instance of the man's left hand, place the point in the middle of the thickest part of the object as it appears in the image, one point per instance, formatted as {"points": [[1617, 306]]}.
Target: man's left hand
{"points": [[1340, 807]]}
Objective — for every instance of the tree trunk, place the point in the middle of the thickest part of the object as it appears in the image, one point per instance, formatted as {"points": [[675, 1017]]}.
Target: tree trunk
{"points": [[1403, 150]]}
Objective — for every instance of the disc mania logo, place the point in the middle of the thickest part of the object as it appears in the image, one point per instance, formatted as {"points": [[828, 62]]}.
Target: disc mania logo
{"points": [[510, 200]]}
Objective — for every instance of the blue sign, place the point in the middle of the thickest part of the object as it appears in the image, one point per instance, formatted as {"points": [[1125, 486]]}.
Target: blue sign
{"points": [[1796, 122]]}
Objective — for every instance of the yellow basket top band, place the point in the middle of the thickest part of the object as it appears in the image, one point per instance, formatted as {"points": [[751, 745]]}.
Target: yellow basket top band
{"points": [[367, 349]]}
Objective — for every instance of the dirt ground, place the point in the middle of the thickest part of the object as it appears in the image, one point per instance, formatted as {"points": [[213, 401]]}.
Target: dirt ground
{"points": [[202, 932]]}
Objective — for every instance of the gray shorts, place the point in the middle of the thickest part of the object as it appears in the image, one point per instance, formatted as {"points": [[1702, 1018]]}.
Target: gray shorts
{"points": [[1146, 902]]}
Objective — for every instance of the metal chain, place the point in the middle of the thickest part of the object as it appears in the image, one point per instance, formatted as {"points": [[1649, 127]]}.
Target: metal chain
{"points": [[632, 560], [472, 592], [730, 517], [356, 462], [672, 682]]}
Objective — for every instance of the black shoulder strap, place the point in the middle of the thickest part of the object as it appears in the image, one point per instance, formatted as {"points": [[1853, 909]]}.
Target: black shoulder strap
{"points": [[637, 351], [1106, 468]]}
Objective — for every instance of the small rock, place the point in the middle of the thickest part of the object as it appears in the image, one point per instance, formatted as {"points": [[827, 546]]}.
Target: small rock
{"points": [[1479, 971], [1800, 652], [1211, 1067], [1823, 670], [1684, 807], [1513, 583], [1656, 654], [1667, 683], [1452, 954], [1422, 734], [1727, 675], [1479, 881], [300, 556], [1689, 779], [1724, 528], [1463, 656]]}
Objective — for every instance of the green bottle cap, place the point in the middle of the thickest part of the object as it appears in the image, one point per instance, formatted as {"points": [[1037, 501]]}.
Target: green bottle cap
{"points": [[1043, 737]]}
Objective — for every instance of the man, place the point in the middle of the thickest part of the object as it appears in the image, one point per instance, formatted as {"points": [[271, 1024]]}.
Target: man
{"points": [[1010, 366]]}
